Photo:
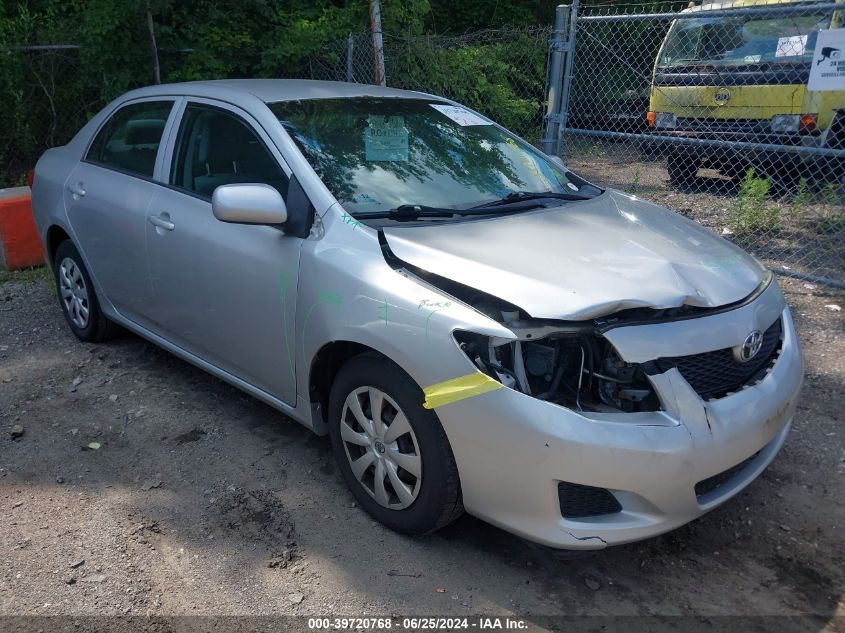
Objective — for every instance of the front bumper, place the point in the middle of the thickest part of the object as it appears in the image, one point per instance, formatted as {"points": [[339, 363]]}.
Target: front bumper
{"points": [[513, 450], [720, 149]]}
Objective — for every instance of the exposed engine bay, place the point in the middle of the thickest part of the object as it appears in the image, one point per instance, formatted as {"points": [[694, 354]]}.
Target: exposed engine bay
{"points": [[568, 364]]}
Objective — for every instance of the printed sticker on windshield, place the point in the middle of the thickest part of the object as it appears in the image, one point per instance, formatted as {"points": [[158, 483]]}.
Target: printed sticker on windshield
{"points": [[791, 46], [386, 139], [365, 198], [459, 115]]}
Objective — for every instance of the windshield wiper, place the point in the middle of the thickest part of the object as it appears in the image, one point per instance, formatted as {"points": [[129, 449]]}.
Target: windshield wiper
{"points": [[414, 211], [521, 196], [515, 201], [410, 212]]}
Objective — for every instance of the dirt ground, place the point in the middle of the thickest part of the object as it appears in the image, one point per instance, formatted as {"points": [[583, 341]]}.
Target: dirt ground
{"points": [[142, 486]]}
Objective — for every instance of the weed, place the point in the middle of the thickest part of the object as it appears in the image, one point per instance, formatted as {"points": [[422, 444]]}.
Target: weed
{"points": [[800, 199], [829, 195], [833, 224], [635, 183], [750, 213]]}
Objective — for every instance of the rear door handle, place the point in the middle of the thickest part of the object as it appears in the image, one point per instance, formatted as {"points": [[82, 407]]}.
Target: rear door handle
{"points": [[162, 222], [76, 190]]}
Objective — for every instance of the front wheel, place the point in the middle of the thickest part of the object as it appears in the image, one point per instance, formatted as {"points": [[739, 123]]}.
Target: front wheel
{"points": [[393, 453]]}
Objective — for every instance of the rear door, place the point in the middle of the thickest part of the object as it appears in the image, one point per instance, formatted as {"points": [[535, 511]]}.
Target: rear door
{"points": [[224, 292], [106, 198]]}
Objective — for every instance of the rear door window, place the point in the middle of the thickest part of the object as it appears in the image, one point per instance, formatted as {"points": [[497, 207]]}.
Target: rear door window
{"points": [[130, 139]]}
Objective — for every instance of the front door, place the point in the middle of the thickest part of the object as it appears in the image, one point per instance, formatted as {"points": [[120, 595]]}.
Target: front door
{"points": [[106, 198], [224, 292]]}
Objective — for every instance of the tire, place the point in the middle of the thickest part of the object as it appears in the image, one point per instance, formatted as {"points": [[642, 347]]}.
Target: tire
{"points": [[432, 493], [77, 297], [682, 170]]}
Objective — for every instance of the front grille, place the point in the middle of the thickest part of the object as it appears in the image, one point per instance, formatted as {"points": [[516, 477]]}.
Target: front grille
{"points": [[706, 486], [716, 374], [577, 501]]}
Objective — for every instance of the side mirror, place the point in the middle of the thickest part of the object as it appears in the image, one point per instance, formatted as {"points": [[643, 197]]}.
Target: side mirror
{"points": [[557, 160], [248, 204]]}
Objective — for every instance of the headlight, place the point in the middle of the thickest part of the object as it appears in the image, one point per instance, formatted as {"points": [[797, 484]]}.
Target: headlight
{"points": [[783, 123], [566, 363], [665, 120]]}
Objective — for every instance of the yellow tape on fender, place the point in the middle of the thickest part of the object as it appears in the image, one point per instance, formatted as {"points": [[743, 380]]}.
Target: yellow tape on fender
{"points": [[459, 388]]}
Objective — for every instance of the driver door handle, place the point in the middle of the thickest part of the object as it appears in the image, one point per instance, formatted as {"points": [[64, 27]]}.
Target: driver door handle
{"points": [[162, 222]]}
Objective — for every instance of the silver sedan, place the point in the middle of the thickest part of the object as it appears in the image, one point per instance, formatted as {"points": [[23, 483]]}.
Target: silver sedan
{"points": [[475, 326]]}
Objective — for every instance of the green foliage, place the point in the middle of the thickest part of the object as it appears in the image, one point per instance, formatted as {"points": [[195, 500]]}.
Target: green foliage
{"points": [[829, 195], [448, 16], [27, 275], [801, 198], [751, 212], [832, 224], [502, 77]]}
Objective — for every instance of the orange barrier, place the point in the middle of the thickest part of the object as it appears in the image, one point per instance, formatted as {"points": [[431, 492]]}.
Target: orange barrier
{"points": [[20, 245]]}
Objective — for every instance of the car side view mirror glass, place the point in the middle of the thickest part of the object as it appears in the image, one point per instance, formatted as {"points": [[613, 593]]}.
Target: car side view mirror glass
{"points": [[249, 204]]}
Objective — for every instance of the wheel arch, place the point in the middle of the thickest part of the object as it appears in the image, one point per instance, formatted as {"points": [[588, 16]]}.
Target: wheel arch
{"points": [[55, 235], [325, 366]]}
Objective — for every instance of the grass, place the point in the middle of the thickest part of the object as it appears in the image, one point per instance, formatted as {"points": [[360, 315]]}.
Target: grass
{"points": [[26, 275]]}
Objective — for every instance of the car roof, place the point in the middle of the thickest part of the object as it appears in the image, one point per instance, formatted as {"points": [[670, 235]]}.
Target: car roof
{"points": [[273, 90]]}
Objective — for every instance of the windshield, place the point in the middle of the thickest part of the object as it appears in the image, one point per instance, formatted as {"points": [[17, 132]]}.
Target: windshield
{"points": [[379, 154], [741, 41]]}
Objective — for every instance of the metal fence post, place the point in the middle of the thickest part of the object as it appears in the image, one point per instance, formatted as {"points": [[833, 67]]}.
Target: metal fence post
{"points": [[349, 49], [557, 44], [567, 77]]}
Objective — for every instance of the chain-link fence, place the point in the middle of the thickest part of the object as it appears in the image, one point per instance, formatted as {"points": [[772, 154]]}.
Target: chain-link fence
{"points": [[499, 72], [732, 116], [706, 111]]}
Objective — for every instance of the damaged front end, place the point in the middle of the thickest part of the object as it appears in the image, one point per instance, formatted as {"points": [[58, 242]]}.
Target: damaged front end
{"points": [[564, 362], [574, 363], [569, 364]]}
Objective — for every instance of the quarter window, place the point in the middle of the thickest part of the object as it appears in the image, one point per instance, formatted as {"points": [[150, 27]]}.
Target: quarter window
{"points": [[217, 148], [129, 140]]}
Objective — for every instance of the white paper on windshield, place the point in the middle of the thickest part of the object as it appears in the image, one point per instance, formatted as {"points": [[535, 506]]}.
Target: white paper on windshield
{"points": [[459, 115], [791, 46], [828, 69]]}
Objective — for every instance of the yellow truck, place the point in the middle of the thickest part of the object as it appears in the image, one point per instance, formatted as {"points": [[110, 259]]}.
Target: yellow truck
{"points": [[730, 84]]}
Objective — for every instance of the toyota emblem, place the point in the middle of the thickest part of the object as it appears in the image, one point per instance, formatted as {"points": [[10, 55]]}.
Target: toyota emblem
{"points": [[750, 347]]}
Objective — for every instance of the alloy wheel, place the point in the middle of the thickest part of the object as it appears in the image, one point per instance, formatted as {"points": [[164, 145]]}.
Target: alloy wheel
{"points": [[74, 293], [381, 447]]}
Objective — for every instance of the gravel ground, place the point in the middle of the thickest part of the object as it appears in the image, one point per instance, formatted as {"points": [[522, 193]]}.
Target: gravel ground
{"points": [[141, 486]]}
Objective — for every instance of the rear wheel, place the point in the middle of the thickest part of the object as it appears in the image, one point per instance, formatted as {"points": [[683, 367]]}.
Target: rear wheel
{"points": [[77, 297], [393, 453]]}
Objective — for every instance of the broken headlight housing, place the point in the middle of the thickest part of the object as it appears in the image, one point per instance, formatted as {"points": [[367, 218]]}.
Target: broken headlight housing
{"points": [[569, 364]]}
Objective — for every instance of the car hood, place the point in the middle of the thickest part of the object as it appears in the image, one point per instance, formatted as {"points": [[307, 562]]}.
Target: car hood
{"points": [[585, 259]]}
